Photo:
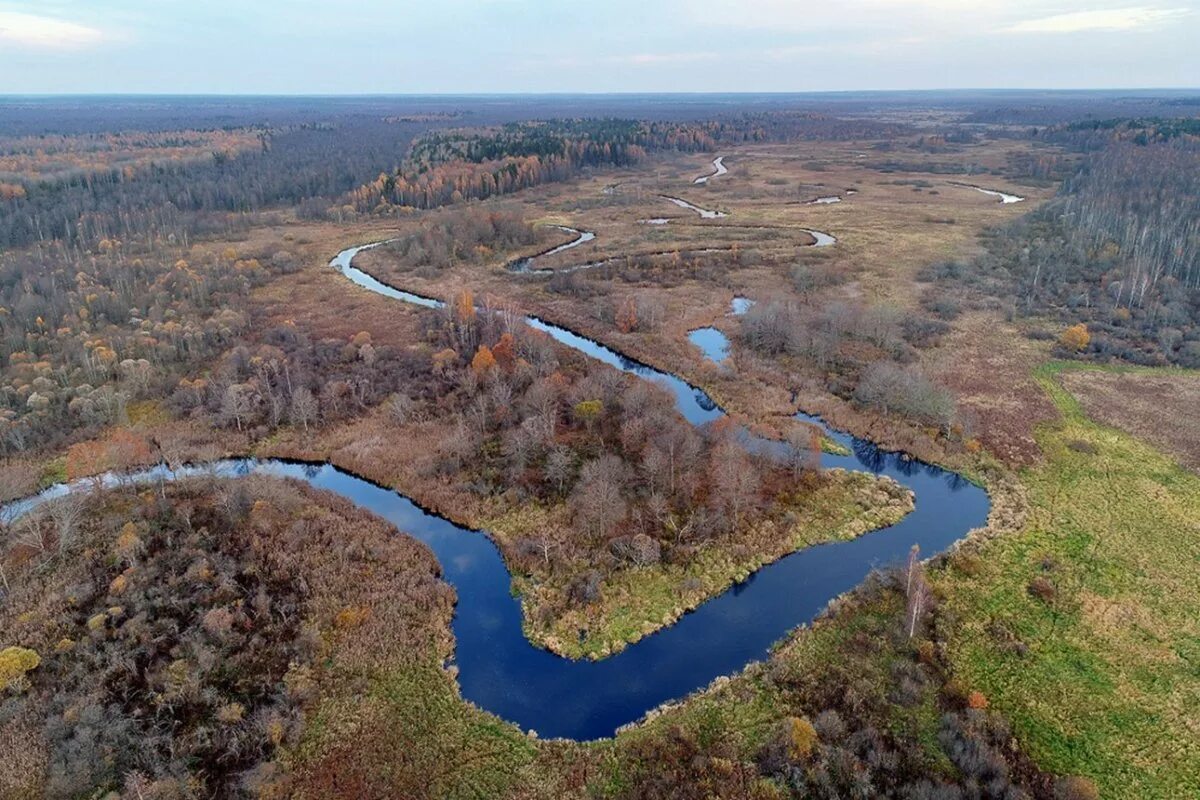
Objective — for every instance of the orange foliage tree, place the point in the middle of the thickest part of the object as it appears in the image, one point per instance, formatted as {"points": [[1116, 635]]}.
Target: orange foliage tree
{"points": [[505, 352], [1075, 338], [121, 450], [627, 318], [86, 460], [483, 361]]}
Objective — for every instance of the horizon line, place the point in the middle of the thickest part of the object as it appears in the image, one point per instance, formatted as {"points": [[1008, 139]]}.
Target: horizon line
{"points": [[590, 93]]}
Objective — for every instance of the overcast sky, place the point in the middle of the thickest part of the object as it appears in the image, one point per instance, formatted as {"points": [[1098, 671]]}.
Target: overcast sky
{"points": [[419, 46]]}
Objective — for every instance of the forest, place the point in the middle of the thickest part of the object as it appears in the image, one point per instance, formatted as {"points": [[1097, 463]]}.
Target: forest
{"points": [[161, 198], [1117, 250]]}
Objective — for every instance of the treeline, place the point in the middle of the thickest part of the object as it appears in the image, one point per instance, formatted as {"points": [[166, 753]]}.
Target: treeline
{"points": [[1090, 135], [139, 189], [1118, 249], [449, 167], [165, 200], [58, 156]]}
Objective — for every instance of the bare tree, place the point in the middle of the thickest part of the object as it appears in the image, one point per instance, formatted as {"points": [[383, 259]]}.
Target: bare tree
{"points": [[560, 465], [304, 408], [735, 481], [597, 499], [804, 449], [66, 512], [916, 590]]}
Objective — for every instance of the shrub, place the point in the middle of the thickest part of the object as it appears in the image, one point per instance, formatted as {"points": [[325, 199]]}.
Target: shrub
{"points": [[15, 662], [1075, 787], [1075, 338], [1042, 589]]}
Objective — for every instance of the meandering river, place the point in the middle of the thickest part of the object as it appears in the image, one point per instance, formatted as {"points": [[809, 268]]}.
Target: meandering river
{"points": [[500, 671]]}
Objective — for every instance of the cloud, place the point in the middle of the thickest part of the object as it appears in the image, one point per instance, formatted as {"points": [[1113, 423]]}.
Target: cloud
{"points": [[32, 30], [1115, 19]]}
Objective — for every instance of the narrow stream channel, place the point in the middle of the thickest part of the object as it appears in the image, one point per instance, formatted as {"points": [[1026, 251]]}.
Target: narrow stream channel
{"points": [[704, 213], [526, 264], [718, 170], [1005, 198], [500, 671]]}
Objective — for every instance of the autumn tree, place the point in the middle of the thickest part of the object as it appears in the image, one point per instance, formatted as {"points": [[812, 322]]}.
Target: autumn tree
{"points": [[505, 352], [588, 412], [126, 449], [484, 361], [1075, 338], [627, 316], [87, 460]]}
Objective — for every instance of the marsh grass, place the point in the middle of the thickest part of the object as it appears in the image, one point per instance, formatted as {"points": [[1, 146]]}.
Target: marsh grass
{"points": [[1101, 678]]}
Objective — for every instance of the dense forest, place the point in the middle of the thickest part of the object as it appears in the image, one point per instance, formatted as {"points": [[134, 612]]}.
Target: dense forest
{"points": [[84, 336], [1118, 250], [160, 198], [451, 166], [161, 185]]}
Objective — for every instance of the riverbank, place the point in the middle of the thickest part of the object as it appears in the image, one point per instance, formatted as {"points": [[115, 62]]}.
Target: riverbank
{"points": [[637, 602]]}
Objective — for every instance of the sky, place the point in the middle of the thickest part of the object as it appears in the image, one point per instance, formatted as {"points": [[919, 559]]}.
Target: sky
{"points": [[488, 46]]}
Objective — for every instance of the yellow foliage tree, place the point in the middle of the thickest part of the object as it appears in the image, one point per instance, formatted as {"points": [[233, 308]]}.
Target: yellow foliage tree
{"points": [[128, 545], [588, 411], [15, 662], [1075, 338], [464, 306], [801, 737], [443, 360]]}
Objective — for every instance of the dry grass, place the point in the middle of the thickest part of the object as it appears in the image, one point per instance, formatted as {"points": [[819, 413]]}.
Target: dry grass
{"points": [[989, 365], [886, 233], [1158, 406]]}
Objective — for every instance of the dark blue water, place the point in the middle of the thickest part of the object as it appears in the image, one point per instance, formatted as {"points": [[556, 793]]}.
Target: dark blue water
{"points": [[500, 671]]}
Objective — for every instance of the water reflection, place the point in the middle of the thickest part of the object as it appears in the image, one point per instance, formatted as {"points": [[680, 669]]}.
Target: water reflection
{"points": [[500, 671]]}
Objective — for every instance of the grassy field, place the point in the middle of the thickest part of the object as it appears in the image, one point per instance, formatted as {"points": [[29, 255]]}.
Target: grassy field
{"points": [[1083, 629]]}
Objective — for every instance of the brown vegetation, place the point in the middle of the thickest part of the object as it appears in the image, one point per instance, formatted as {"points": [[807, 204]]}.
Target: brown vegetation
{"points": [[179, 639]]}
